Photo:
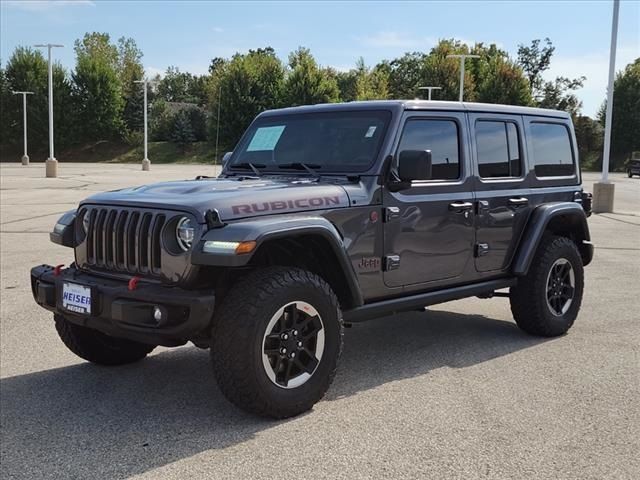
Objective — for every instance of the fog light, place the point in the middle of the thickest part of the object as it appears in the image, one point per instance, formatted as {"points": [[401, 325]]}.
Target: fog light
{"points": [[157, 314]]}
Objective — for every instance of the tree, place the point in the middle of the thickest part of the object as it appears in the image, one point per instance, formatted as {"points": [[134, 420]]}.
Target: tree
{"points": [[625, 126], [534, 60], [589, 135], [182, 133], [556, 94], [498, 79], [306, 84], [97, 88], [249, 84], [130, 70]]}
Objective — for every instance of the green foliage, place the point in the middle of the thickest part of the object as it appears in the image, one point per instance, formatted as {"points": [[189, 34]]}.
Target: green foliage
{"points": [[177, 86], [97, 91], [243, 87], [589, 135], [556, 94], [306, 83], [130, 70], [498, 79], [182, 133], [625, 133]]}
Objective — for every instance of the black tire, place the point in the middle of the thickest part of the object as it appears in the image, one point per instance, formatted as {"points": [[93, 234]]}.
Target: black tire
{"points": [[531, 310], [96, 347], [629, 174], [238, 340]]}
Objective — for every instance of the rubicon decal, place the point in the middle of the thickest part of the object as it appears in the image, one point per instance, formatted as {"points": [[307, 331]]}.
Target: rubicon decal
{"points": [[278, 205]]}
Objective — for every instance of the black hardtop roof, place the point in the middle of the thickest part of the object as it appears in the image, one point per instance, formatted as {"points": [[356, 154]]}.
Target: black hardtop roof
{"points": [[435, 105]]}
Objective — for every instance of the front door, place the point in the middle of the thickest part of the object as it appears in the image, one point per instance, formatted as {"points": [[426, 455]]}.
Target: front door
{"points": [[501, 193], [428, 229]]}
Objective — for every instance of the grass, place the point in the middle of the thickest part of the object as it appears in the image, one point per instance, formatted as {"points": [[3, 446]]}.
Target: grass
{"points": [[117, 152]]}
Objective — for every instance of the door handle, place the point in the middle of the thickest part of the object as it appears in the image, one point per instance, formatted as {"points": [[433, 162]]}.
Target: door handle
{"points": [[460, 207], [518, 202]]}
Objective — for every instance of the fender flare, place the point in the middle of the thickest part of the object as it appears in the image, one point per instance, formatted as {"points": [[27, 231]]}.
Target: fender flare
{"points": [[538, 223], [265, 229]]}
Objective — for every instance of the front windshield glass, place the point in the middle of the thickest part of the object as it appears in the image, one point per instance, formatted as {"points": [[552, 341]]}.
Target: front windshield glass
{"points": [[327, 141]]}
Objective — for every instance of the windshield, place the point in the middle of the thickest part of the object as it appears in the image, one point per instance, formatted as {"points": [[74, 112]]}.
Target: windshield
{"points": [[328, 141]]}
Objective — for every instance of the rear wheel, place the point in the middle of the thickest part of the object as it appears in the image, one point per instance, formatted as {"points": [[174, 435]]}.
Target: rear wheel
{"points": [[276, 341], [97, 347], [546, 301], [629, 174]]}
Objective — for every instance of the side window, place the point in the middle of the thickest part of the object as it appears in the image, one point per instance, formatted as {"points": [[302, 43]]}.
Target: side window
{"points": [[439, 136], [551, 148], [498, 149]]}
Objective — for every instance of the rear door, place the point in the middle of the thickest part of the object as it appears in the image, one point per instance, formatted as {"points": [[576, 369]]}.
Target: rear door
{"points": [[428, 229], [501, 189]]}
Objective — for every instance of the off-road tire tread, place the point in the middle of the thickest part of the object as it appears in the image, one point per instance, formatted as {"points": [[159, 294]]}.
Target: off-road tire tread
{"points": [[234, 319], [85, 343], [528, 308]]}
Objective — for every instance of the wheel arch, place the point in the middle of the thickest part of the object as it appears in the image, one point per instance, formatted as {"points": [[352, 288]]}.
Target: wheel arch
{"points": [[566, 219], [312, 243]]}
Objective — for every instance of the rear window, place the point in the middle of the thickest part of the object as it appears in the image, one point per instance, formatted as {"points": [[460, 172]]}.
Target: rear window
{"points": [[551, 146]]}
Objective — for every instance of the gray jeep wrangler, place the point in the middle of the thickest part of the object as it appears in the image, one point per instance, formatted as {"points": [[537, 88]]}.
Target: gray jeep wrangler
{"points": [[324, 216]]}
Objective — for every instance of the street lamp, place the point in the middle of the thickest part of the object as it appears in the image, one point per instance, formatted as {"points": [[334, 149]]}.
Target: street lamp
{"points": [[146, 163], [429, 89], [462, 58], [25, 157], [603, 190], [51, 164]]}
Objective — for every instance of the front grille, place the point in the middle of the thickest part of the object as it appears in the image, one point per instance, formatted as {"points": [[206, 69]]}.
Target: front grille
{"points": [[124, 240]]}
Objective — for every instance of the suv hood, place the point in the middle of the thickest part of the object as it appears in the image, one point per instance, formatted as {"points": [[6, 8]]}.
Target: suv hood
{"points": [[232, 198]]}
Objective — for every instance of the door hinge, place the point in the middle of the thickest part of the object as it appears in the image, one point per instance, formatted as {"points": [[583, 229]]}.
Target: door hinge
{"points": [[390, 213], [482, 249], [391, 262]]}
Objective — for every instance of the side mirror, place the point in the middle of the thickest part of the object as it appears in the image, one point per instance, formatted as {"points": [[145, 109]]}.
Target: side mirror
{"points": [[225, 158], [414, 165]]}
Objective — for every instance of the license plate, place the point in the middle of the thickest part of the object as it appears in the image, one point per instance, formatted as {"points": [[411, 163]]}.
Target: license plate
{"points": [[76, 298]]}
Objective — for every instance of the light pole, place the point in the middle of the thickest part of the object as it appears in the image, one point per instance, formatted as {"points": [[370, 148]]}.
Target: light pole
{"points": [[51, 164], [25, 157], [429, 89], [146, 163], [462, 58], [603, 190], [218, 124]]}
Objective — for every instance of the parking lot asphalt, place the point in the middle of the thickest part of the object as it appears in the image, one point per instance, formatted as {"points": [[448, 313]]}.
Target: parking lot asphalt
{"points": [[455, 392]]}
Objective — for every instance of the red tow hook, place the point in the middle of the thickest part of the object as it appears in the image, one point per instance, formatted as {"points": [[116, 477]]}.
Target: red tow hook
{"points": [[57, 269], [133, 283]]}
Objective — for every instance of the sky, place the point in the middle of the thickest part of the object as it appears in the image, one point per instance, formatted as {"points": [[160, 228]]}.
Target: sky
{"points": [[189, 34]]}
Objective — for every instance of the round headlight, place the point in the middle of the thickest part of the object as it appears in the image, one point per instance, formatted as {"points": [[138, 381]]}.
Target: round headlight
{"points": [[85, 221], [185, 232]]}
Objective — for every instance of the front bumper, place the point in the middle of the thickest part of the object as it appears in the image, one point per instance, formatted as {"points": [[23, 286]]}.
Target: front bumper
{"points": [[117, 311]]}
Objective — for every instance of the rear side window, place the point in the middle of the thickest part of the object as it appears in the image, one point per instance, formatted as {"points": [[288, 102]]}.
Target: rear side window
{"points": [[439, 136], [551, 148], [498, 149]]}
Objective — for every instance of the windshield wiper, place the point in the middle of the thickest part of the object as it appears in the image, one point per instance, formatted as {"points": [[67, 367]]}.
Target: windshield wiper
{"points": [[253, 166], [309, 167]]}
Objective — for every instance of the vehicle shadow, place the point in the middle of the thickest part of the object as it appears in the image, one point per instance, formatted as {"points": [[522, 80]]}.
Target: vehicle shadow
{"points": [[85, 421]]}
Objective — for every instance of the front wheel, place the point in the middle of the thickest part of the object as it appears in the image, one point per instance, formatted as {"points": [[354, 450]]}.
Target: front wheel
{"points": [[546, 301], [276, 341], [629, 174]]}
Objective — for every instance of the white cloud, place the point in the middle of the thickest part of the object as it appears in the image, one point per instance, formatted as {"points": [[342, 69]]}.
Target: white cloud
{"points": [[46, 5], [594, 66], [218, 29], [389, 39], [151, 71]]}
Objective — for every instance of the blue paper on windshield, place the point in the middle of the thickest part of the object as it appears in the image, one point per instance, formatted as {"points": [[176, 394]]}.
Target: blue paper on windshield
{"points": [[265, 138]]}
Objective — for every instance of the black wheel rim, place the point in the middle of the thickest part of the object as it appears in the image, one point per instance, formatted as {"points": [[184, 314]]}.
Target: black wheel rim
{"points": [[560, 287], [293, 344]]}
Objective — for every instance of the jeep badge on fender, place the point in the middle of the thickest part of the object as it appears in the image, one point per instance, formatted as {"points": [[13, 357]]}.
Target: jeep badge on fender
{"points": [[323, 216]]}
